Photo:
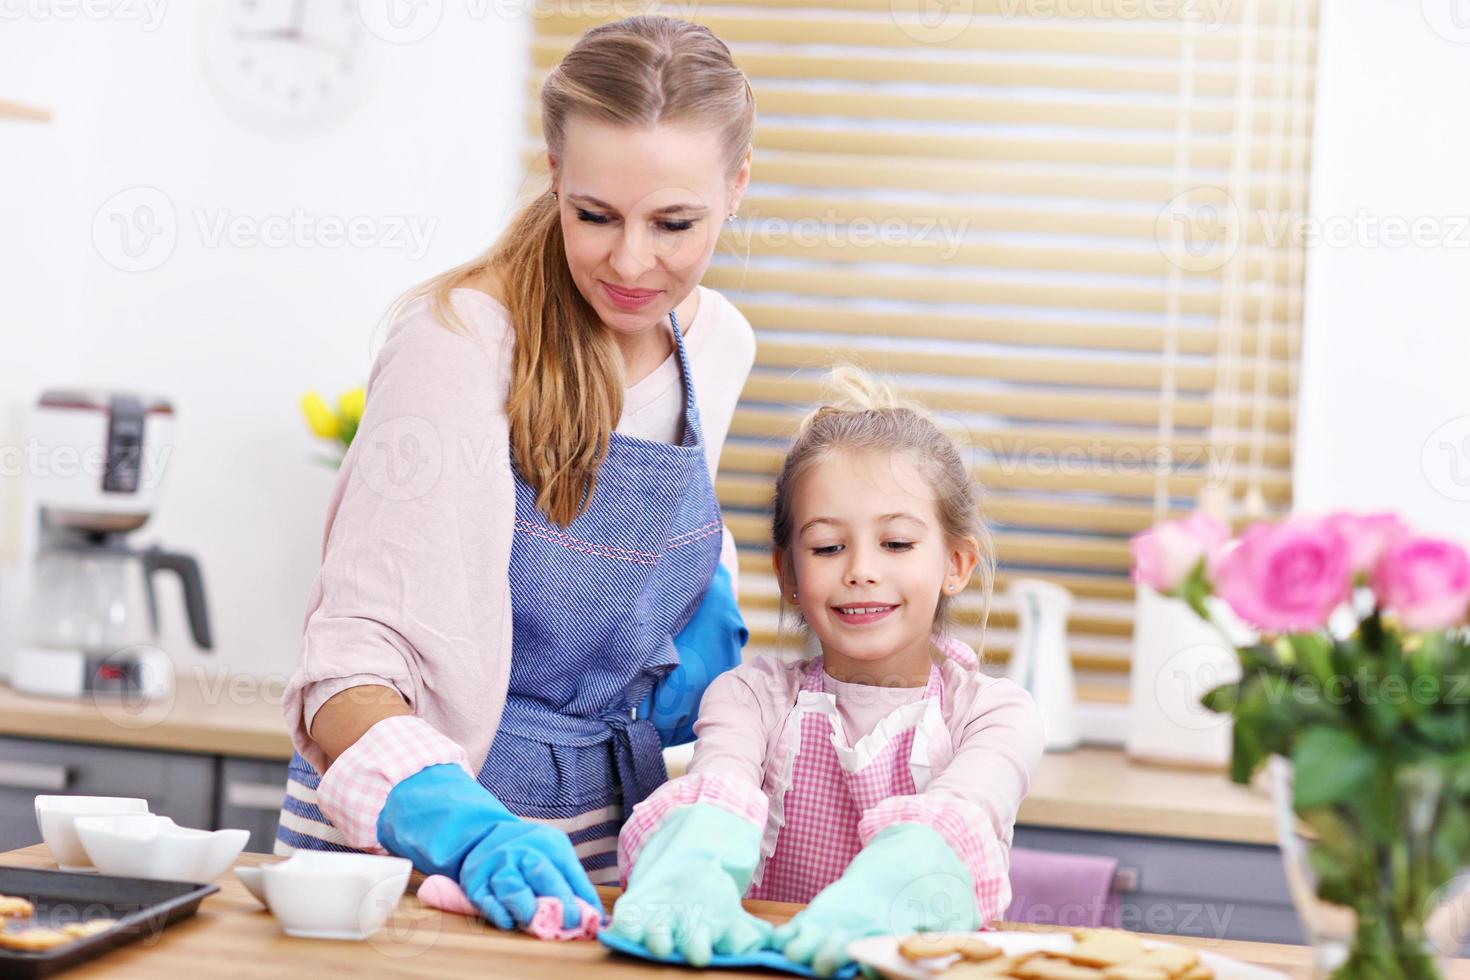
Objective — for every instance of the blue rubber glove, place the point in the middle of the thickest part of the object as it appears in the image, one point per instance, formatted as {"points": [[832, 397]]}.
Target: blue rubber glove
{"points": [[708, 645], [684, 891], [906, 880], [446, 823]]}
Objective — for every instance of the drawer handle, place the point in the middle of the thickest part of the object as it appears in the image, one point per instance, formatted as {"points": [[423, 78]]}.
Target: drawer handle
{"points": [[255, 796], [1126, 879], [33, 775]]}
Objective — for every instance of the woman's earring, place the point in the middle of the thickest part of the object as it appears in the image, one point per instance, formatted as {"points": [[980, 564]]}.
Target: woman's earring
{"points": [[554, 197]]}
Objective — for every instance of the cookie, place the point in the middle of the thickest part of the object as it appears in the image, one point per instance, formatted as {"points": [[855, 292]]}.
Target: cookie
{"points": [[923, 946], [34, 940], [1134, 973], [1198, 972], [1048, 968], [1000, 966], [1173, 960], [81, 930], [10, 905], [1101, 949]]}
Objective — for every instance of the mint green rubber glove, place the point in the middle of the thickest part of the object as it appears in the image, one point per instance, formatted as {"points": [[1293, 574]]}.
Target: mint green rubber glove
{"points": [[684, 891], [906, 880]]}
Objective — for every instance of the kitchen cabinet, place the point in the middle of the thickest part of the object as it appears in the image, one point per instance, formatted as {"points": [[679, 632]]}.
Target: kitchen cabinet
{"points": [[1208, 889], [176, 784]]}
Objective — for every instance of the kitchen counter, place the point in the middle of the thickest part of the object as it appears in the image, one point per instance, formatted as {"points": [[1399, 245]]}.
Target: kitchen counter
{"points": [[237, 715], [213, 711], [233, 936]]}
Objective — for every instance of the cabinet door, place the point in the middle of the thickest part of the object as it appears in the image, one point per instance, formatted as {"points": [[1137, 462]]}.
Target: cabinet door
{"points": [[250, 795], [1186, 887], [175, 784]]}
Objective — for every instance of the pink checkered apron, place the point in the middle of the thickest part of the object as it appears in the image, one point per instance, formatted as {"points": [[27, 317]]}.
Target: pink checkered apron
{"points": [[826, 800]]}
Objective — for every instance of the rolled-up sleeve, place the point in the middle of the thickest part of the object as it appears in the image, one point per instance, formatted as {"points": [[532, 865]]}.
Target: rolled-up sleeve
{"points": [[413, 590]]}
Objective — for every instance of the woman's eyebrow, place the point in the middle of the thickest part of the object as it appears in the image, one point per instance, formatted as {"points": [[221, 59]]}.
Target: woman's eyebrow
{"points": [[667, 209]]}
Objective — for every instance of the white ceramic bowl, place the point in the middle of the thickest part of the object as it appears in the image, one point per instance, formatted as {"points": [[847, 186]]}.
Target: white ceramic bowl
{"points": [[254, 882], [55, 816], [147, 845], [331, 895]]}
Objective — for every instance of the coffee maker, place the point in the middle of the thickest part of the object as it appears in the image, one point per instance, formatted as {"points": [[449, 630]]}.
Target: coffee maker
{"points": [[96, 461]]}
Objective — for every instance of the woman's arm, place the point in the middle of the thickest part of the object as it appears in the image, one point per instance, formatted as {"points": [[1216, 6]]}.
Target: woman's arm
{"points": [[345, 716], [410, 610]]}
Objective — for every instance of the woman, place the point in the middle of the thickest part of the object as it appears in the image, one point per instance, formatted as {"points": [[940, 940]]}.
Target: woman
{"points": [[526, 519]]}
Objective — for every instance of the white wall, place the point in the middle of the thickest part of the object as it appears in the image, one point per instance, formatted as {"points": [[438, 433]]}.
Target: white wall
{"points": [[1385, 413], [234, 333]]}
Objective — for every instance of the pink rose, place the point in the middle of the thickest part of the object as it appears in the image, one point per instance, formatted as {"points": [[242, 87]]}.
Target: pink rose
{"points": [[1366, 536], [1286, 577], [1164, 554], [1425, 580]]}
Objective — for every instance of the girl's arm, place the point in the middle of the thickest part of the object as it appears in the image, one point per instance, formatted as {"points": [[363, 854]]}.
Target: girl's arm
{"points": [[739, 711], [973, 800]]}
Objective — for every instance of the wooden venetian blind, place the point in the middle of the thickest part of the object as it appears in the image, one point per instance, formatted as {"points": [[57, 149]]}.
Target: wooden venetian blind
{"points": [[1067, 227]]}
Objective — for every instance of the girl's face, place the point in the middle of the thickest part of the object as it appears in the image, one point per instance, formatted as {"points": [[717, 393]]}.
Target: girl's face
{"points": [[870, 561], [641, 211]]}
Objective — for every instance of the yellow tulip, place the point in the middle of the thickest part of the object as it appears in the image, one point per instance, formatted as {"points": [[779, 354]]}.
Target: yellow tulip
{"points": [[321, 418], [349, 406]]}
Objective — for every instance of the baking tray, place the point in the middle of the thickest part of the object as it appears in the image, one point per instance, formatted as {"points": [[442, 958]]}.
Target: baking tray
{"points": [[142, 908]]}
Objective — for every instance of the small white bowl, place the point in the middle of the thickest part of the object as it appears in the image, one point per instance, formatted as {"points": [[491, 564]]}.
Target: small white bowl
{"points": [[147, 845], [55, 816], [253, 881], [333, 895]]}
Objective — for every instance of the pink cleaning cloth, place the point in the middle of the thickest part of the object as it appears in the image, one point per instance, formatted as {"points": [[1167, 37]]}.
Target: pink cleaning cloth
{"points": [[442, 892]]}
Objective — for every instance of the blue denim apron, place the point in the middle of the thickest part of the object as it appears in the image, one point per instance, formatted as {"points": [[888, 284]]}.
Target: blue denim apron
{"points": [[595, 608]]}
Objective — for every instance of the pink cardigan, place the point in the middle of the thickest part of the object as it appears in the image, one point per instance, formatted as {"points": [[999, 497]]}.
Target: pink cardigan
{"points": [[412, 592]]}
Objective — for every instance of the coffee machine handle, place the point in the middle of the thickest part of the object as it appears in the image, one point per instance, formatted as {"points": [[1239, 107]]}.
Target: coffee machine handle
{"points": [[156, 559]]}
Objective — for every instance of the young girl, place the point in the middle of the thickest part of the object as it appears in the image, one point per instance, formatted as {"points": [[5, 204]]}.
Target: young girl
{"points": [[878, 781]]}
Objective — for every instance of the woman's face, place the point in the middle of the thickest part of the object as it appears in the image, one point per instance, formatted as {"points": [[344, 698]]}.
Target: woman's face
{"points": [[641, 211]]}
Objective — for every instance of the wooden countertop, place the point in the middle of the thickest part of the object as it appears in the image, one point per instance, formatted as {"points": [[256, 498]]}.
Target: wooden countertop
{"points": [[213, 711], [1095, 789], [232, 935], [1101, 789]]}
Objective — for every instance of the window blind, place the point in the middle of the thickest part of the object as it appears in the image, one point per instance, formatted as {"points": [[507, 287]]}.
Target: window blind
{"points": [[1069, 228]]}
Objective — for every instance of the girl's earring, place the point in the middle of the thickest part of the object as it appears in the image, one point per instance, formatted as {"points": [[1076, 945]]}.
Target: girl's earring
{"points": [[554, 197]]}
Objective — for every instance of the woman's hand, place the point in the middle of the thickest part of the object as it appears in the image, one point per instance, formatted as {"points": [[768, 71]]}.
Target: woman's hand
{"points": [[448, 824], [684, 890]]}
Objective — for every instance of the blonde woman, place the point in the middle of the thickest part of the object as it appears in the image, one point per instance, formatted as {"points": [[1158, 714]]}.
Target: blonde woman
{"points": [[526, 520]]}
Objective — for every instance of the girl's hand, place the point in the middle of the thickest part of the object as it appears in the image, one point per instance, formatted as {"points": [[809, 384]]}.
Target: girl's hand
{"points": [[906, 880], [684, 892]]}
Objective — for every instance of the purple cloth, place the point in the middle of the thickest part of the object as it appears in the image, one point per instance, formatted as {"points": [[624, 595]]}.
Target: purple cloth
{"points": [[1052, 888]]}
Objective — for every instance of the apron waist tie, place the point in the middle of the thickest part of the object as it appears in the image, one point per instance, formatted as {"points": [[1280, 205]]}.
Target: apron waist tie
{"points": [[637, 749]]}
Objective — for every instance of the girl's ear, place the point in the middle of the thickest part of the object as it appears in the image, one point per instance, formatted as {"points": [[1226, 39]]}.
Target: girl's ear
{"points": [[964, 555], [776, 555]]}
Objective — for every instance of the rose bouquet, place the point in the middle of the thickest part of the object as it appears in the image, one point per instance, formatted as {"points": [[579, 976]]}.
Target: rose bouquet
{"points": [[1358, 673]]}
